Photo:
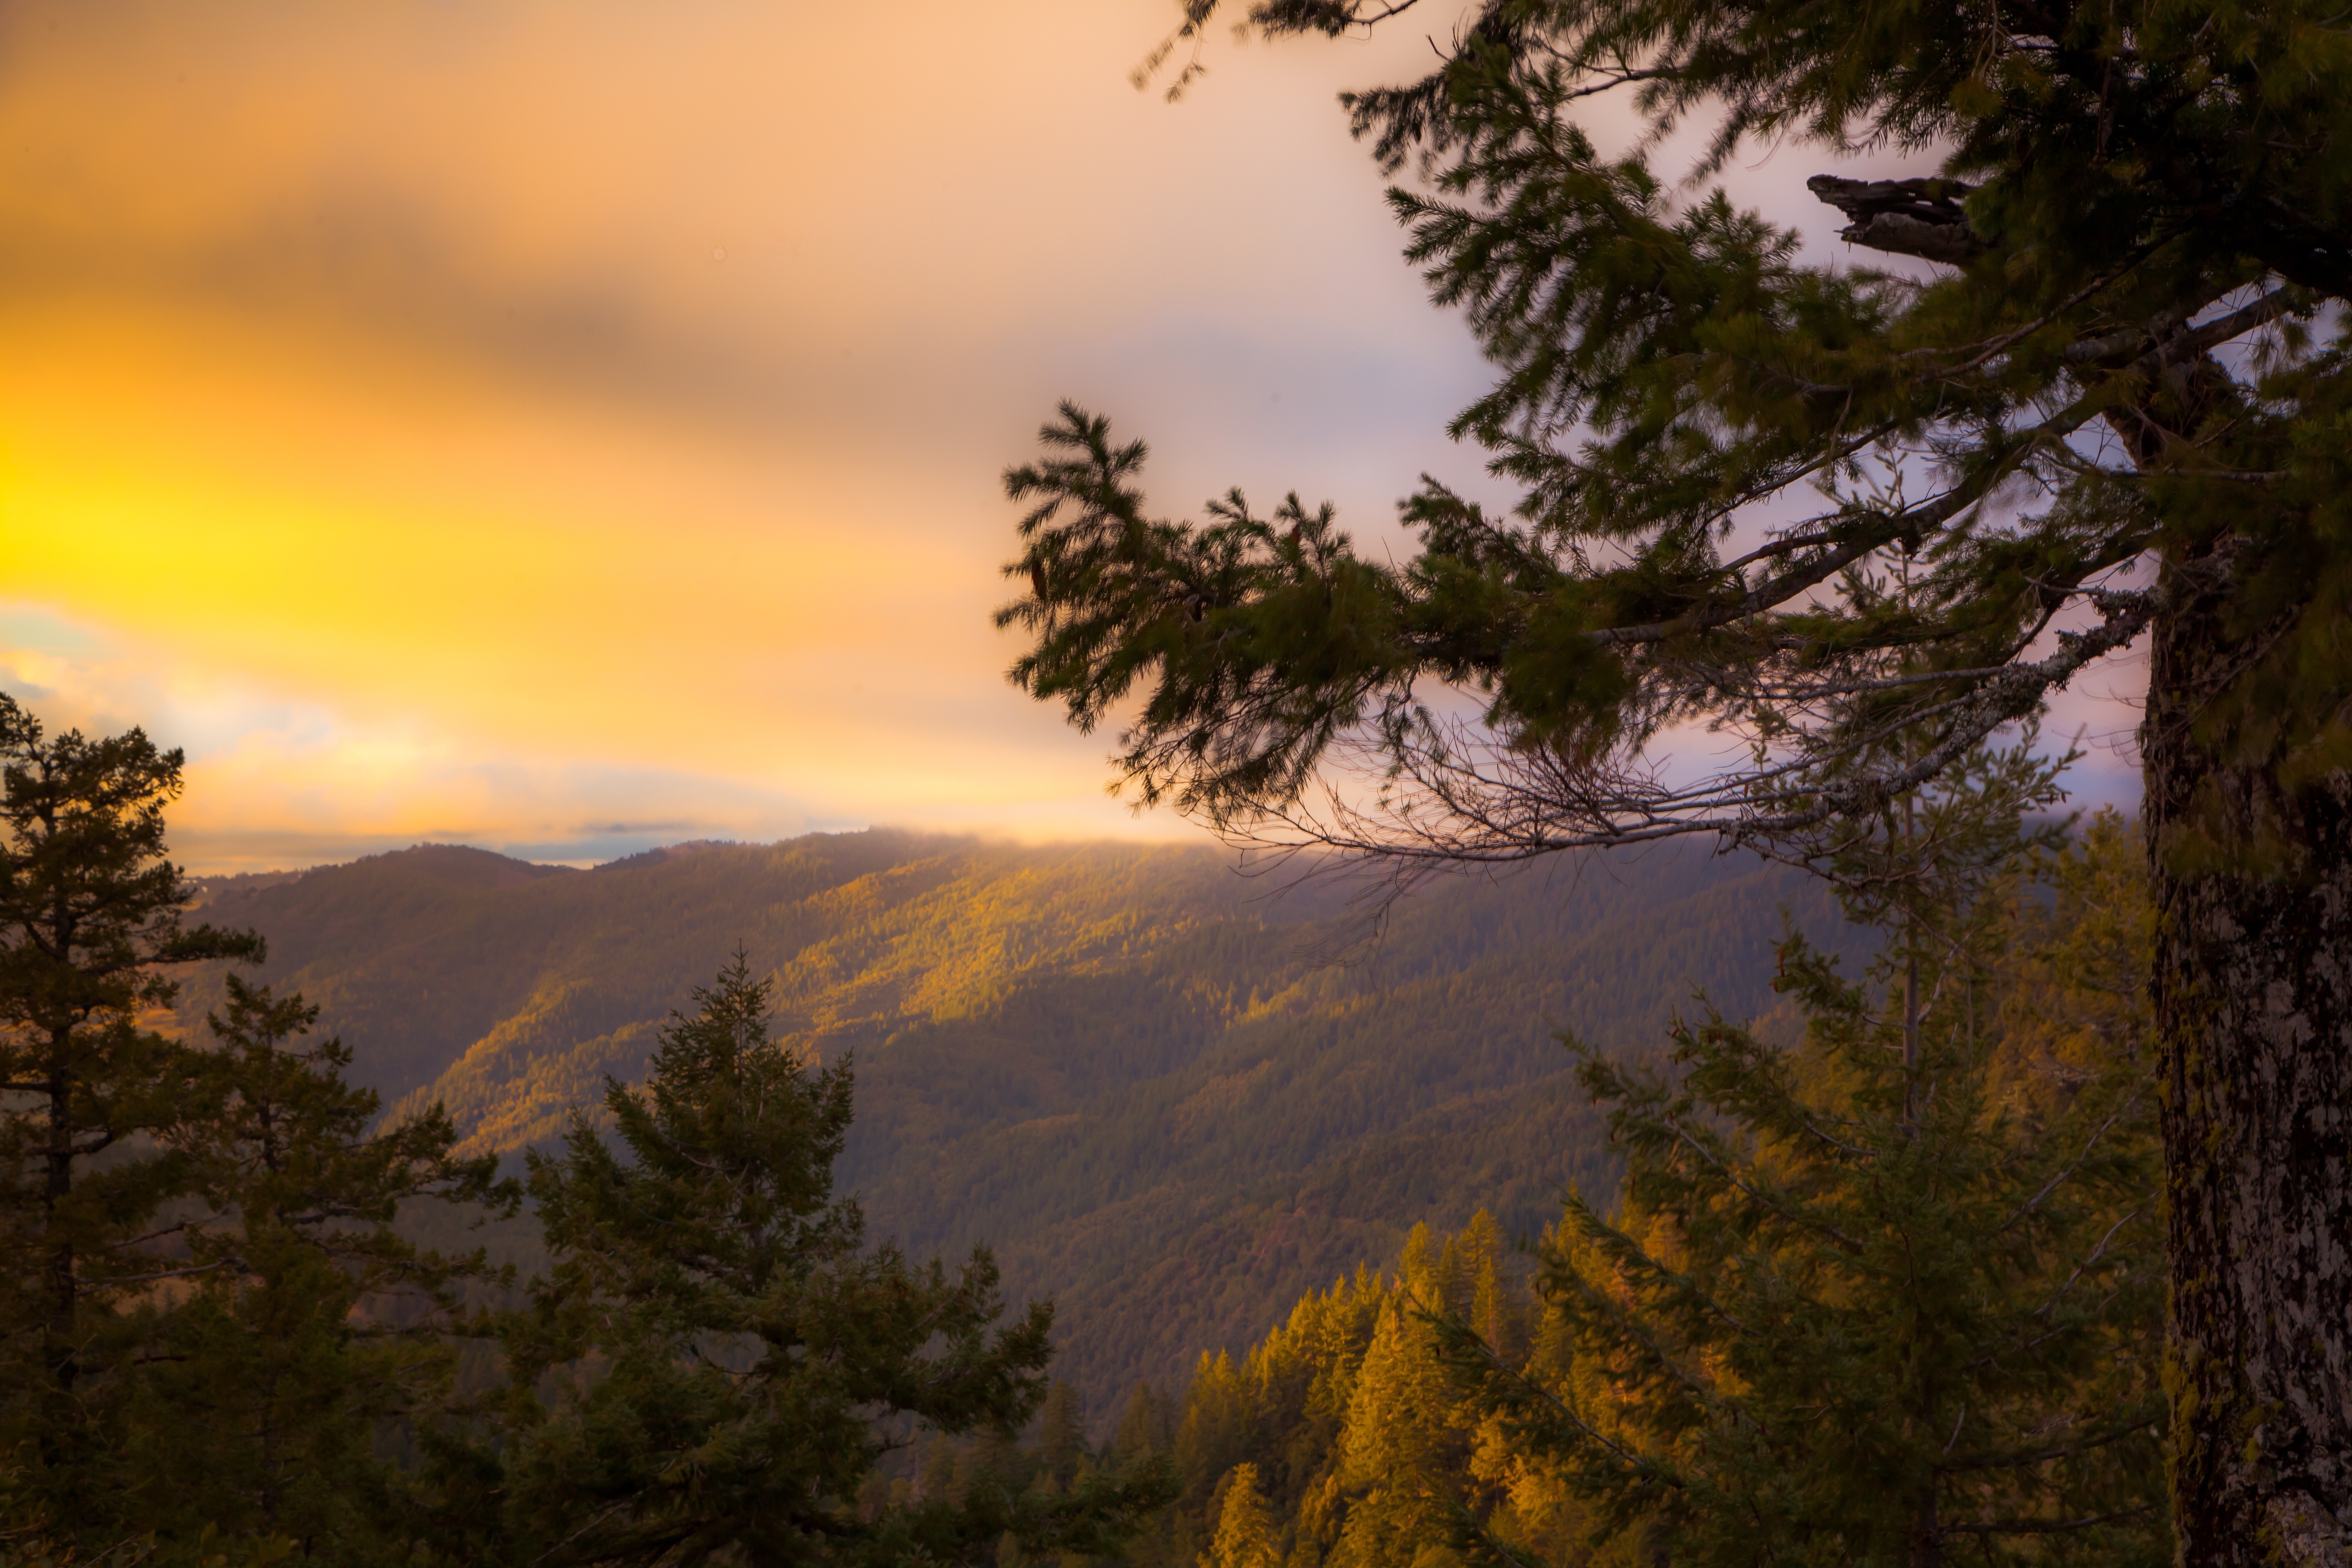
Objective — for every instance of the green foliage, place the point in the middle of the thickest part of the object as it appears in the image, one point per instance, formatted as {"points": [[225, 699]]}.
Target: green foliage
{"points": [[1398, 1434], [311, 1330], [1722, 451], [211, 1325], [89, 916], [1896, 1293], [1245, 1535], [725, 1352], [1061, 1435], [1244, 702], [1355, 1443], [1860, 520], [143, 1551], [1134, 1074], [1860, 1298], [1147, 1426]]}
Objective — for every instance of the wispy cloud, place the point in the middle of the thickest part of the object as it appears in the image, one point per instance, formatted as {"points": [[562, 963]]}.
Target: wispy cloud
{"points": [[571, 424]]}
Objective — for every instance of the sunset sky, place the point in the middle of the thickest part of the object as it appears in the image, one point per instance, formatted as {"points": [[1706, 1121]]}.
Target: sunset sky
{"points": [[568, 427]]}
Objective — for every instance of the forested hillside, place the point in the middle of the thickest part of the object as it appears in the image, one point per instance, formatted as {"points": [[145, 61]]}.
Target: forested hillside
{"points": [[1841, 1301], [1141, 1077]]}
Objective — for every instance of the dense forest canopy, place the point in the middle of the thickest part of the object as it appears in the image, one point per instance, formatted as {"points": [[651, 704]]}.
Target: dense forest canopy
{"points": [[1131, 1071], [1850, 1307], [1898, 1187], [221, 1344]]}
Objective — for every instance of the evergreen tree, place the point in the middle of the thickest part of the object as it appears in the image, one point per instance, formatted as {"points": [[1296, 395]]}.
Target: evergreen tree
{"points": [[1893, 1296], [2097, 406], [1492, 1307], [1147, 1429], [1147, 1432], [1358, 1442], [1402, 1446], [1061, 1435], [1247, 1534], [726, 1351], [90, 919], [993, 1462], [1144, 1426], [2017, 959], [314, 1331], [1218, 1428]]}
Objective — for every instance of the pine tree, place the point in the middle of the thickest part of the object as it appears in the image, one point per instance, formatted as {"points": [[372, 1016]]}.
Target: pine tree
{"points": [[89, 919], [724, 1344], [1218, 1426], [1490, 1306], [1061, 1435], [1359, 1446], [1147, 1428], [1401, 1447], [1247, 1535], [1894, 1296], [2097, 404], [313, 1330]]}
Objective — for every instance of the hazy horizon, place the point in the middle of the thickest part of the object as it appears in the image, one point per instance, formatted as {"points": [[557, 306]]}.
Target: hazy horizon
{"points": [[567, 427]]}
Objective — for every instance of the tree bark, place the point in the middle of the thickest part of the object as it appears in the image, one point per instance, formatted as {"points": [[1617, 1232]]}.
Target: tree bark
{"points": [[2253, 1005]]}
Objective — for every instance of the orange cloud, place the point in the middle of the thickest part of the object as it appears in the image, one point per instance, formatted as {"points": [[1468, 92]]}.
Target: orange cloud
{"points": [[522, 422]]}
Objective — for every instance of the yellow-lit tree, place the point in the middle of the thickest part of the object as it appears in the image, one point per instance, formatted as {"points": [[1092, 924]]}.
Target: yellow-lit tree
{"points": [[1248, 1535]]}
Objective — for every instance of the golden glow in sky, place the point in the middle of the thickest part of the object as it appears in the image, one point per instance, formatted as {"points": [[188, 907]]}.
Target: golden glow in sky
{"points": [[571, 427]]}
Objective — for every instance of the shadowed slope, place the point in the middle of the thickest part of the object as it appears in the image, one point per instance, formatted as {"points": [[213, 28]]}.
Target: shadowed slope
{"points": [[1130, 1071]]}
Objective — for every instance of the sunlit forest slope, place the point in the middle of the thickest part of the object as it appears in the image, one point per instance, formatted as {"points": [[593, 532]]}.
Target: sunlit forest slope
{"points": [[1141, 1077]]}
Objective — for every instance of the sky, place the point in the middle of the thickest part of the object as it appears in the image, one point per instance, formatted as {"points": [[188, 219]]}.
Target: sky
{"points": [[568, 427]]}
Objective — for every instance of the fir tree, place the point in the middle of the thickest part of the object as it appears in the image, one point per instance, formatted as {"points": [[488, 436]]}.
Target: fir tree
{"points": [[729, 1355], [1061, 1435], [1357, 1441], [1891, 1297], [1147, 1428], [2096, 405], [1218, 1424], [1492, 1309], [89, 919], [1400, 1445], [314, 1331], [1247, 1534], [2027, 999]]}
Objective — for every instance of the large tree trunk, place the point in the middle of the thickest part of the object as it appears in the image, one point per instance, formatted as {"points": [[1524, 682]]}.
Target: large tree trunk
{"points": [[2253, 1004]]}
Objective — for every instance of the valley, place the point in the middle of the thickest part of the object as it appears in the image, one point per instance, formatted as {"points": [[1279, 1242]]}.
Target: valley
{"points": [[1171, 1095]]}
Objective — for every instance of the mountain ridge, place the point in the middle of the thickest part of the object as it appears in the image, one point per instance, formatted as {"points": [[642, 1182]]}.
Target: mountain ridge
{"points": [[1132, 1072]]}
